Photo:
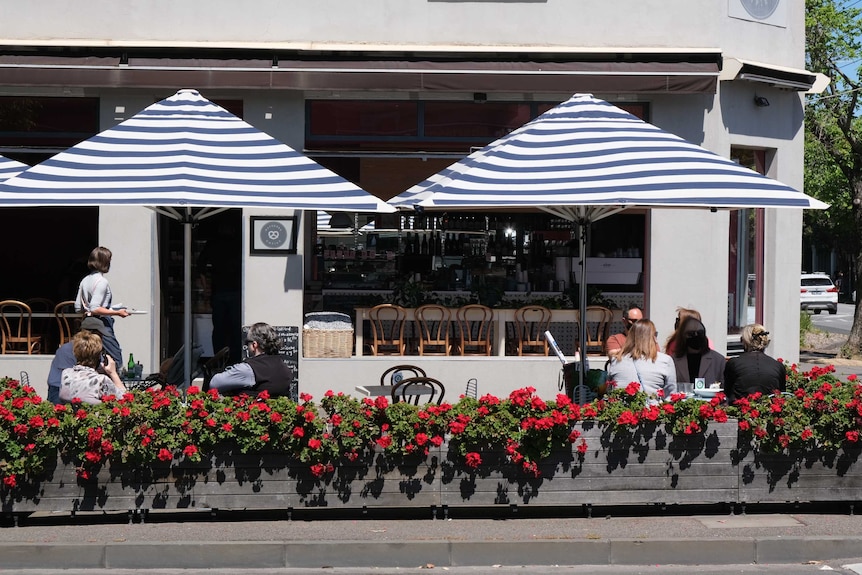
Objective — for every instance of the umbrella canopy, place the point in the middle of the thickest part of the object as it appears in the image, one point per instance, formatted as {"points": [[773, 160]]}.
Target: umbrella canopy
{"points": [[9, 168], [188, 158], [587, 159]]}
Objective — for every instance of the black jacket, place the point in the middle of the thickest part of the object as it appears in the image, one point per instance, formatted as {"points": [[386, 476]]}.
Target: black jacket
{"points": [[751, 372]]}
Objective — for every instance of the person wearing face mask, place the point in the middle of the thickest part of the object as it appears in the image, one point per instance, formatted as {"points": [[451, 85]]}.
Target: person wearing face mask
{"points": [[753, 371], [618, 340], [692, 356], [682, 315]]}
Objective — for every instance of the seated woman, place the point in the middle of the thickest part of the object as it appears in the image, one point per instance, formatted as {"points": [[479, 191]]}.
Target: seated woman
{"points": [[263, 370], [693, 357], [95, 374], [640, 361], [753, 371]]}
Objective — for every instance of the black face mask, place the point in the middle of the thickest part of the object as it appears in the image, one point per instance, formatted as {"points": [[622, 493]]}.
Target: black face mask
{"points": [[697, 341]]}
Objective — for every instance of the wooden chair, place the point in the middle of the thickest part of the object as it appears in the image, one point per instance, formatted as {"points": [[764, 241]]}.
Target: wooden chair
{"points": [[474, 329], [531, 323], [68, 320], [397, 373], [598, 320], [16, 319], [387, 329], [408, 391], [433, 323], [41, 325]]}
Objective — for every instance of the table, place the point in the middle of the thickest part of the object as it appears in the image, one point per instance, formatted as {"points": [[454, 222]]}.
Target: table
{"points": [[386, 390]]}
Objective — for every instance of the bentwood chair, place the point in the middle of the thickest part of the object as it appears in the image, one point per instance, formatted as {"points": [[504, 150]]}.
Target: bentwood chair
{"points": [[474, 329], [433, 322], [598, 320], [68, 320], [531, 323], [396, 373], [387, 329], [16, 335], [418, 390]]}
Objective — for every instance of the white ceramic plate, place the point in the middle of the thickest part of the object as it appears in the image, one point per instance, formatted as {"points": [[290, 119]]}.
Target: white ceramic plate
{"points": [[707, 392]]}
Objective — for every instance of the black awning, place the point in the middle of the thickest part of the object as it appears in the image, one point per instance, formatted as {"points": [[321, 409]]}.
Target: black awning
{"points": [[501, 75]]}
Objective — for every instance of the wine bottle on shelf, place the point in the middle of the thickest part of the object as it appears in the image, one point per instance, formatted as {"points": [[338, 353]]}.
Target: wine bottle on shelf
{"points": [[415, 243], [408, 244], [424, 246]]}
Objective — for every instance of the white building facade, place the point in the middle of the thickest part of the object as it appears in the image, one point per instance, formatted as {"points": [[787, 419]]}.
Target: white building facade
{"points": [[727, 75]]}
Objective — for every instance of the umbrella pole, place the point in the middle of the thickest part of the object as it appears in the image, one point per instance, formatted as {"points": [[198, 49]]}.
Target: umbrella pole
{"points": [[582, 293], [187, 299]]}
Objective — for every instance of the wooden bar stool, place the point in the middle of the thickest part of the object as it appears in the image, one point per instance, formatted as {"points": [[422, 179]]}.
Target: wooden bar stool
{"points": [[387, 329], [474, 326], [531, 323], [433, 321]]}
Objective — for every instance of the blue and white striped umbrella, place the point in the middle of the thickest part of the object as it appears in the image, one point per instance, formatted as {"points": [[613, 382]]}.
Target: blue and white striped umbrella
{"points": [[188, 152], [586, 159], [10, 168], [187, 158]]}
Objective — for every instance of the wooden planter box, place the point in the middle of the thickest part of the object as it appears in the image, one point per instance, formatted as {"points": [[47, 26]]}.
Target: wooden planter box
{"points": [[647, 467]]}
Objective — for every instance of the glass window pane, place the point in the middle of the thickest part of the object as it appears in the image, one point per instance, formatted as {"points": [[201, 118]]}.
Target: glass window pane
{"points": [[362, 118], [488, 121]]}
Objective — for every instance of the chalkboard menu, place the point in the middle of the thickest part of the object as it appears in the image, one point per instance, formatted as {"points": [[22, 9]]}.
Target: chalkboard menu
{"points": [[289, 351]]}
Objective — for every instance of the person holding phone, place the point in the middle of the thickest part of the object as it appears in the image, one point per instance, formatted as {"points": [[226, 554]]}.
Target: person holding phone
{"points": [[94, 376]]}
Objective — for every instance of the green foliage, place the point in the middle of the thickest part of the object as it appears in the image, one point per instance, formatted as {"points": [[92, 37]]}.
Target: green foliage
{"points": [[818, 410], [806, 326]]}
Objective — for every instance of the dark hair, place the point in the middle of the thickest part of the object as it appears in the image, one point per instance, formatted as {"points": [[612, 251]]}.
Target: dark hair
{"points": [[680, 346], [99, 260], [682, 316], [266, 338]]}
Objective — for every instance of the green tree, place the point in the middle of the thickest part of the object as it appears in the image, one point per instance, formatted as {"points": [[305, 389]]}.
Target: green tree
{"points": [[833, 135]]}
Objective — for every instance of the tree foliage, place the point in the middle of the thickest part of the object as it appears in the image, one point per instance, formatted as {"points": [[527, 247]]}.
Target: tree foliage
{"points": [[833, 135]]}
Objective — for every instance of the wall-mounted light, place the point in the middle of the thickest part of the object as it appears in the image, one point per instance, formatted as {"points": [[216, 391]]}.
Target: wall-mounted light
{"points": [[480, 97], [761, 102]]}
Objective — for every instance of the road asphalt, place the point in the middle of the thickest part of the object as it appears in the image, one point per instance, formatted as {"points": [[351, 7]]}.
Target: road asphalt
{"points": [[619, 536]]}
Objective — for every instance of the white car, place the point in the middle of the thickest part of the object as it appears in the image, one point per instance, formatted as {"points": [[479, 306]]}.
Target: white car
{"points": [[817, 292]]}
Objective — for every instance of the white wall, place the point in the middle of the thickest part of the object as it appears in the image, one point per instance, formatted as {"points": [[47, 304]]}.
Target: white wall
{"points": [[326, 24]]}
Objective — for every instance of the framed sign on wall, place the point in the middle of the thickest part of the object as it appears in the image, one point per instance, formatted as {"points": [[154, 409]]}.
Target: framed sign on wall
{"points": [[273, 235]]}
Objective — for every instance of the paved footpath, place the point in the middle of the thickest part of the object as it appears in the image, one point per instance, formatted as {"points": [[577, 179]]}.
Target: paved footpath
{"points": [[194, 541]]}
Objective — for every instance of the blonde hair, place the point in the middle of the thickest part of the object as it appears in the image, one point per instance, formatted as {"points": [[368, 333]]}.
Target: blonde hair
{"points": [[754, 337], [640, 341], [87, 347]]}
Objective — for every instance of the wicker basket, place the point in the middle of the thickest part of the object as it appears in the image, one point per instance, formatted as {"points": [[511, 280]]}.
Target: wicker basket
{"points": [[327, 334]]}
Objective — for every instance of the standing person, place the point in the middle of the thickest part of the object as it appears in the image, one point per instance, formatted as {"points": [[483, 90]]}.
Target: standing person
{"points": [[94, 300], [640, 361], [222, 257], [692, 356], [753, 371], [94, 375], [264, 370], [630, 316]]}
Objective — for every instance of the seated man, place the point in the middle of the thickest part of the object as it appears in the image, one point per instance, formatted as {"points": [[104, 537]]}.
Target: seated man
{"points": [[263, 370], [630, 316], [64, 358]]}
